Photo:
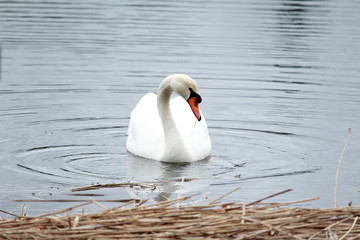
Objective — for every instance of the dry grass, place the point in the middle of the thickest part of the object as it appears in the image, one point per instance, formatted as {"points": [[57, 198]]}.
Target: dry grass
{"points": [[183, 219]]}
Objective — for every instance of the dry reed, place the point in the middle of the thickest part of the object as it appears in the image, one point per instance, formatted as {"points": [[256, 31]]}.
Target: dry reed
{"points": [[171, 220]]}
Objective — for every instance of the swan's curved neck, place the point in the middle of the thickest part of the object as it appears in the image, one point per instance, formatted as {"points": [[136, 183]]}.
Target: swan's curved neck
{"points": [[174, 148]]}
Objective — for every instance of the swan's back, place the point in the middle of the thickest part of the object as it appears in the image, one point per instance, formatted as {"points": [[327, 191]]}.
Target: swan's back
{"points": [[145, 133]]}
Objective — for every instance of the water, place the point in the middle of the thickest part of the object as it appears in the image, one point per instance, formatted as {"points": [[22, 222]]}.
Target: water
{"points": [[279, 82]]}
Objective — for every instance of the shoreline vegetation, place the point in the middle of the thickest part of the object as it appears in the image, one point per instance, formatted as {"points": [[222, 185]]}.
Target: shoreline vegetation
{"points": [[185, 218]]}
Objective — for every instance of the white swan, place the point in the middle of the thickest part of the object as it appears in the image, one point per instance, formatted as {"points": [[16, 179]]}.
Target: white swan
{"points": [[170, 130]]}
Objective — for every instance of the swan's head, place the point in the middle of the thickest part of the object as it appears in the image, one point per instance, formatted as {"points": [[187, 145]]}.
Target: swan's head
{"points": [[187, 88]]}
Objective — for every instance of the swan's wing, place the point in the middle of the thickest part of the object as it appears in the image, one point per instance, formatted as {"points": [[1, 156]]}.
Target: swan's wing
{"points": [[193, 132], [183, 116], [145, 132]]}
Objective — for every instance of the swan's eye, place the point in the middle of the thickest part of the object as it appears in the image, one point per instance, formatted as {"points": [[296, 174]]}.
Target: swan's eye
{"points": [[194, 94]]}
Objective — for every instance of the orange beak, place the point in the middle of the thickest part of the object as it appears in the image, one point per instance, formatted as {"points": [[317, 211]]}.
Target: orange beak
{"points": [[194, 105]]}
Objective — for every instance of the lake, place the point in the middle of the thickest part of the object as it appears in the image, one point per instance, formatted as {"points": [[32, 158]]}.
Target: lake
{"points": [[279, 81]]}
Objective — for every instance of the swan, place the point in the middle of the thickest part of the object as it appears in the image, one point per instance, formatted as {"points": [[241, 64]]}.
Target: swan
{"points": [[170, 130]]}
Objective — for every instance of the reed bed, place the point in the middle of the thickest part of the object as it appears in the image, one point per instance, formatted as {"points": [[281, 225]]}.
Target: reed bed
{"points": [[185, 218]]}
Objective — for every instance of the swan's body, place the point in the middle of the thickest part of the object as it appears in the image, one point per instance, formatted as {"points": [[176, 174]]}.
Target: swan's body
{"points": [[170, 130]]}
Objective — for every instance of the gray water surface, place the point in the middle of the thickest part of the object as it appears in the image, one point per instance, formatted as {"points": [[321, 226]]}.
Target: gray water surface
{"points": [[279, 81]]}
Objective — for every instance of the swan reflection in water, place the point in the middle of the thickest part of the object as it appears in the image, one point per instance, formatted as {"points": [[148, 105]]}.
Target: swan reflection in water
{"points": [[168, 175]]}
